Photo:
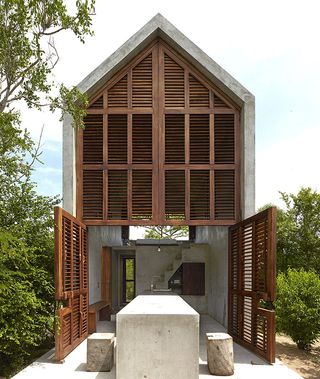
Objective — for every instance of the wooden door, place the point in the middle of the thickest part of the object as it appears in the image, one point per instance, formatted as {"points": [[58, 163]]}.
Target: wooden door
{"points": [[252, 261], [71, 282]]}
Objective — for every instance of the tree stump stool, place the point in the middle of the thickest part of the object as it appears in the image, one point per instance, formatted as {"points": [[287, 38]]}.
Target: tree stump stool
{"points": [[100, 348], [220, 354]]}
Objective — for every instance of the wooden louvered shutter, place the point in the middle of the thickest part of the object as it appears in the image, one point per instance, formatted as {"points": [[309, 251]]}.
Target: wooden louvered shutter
{"points": [[93, 139], [199, 194], [117, 138], [175, 195], [224, 138], [199, 138], [142, 84], [97, 104], [142, 194], [174, 138], [199, 94], [159, 127], [173, 83], [71, 282], [252, 249], [117, 194], [118, 94], [142, 138], [92, 194]]}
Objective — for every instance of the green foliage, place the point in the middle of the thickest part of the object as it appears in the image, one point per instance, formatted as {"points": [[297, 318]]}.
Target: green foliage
{"points": [[298, 231], [28, 56], [170, 232], [298, 306], [28, 53]]}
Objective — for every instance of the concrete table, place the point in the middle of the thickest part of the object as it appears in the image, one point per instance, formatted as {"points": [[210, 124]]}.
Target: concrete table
{"points": [[157, 337]]}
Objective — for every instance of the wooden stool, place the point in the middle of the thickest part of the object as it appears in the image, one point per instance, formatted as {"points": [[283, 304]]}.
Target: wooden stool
{"points": [[220, 354], [100, 348]]}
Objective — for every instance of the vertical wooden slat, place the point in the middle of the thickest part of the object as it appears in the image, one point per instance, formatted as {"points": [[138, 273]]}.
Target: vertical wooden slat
{"points": [[70, 244], [257, 332]]}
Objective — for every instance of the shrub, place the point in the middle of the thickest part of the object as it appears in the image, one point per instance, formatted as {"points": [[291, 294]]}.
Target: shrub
{"points": [[298, 306]]}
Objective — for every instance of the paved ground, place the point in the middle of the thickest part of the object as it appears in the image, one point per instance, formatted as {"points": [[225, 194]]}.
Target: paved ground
{"points": [[247, 365]]}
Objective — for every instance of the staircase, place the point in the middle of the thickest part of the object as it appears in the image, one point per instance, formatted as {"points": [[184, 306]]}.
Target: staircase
{"points": [[162, 282]]}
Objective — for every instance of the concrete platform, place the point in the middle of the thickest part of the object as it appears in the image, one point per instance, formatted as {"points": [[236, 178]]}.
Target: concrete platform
{"points": [[247, 365]]}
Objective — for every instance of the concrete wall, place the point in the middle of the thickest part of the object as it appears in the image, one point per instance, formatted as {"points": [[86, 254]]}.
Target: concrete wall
{"points": [[217, 239], [150, 262], [99, 236]]}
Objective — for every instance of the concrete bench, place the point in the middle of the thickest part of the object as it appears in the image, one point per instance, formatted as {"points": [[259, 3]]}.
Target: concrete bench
{"points": [[220, 354], [100, 347], [98, 311]]}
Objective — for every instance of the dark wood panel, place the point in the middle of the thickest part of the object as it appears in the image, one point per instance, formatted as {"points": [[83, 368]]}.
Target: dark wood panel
{"points": [[193, 278], [252, 249]]}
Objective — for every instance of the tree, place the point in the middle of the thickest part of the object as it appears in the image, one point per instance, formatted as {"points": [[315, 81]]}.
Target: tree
{"points": [[298, 231], [170, 232], [28, 53], [28, 56], [297, 306]]}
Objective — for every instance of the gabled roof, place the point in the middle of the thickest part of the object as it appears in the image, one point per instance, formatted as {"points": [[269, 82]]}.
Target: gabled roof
{"points": [[159, 26]]}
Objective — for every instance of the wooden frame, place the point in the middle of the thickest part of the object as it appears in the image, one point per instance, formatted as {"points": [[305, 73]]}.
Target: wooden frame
{"points": [[71, 282], [251, 280], [158, 48]]}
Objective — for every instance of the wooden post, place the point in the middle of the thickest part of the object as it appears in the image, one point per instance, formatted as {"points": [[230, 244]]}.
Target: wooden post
{"points": [[220, 354]]}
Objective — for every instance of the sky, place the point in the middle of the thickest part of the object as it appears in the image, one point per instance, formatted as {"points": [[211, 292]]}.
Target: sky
{"points": [[271, 47]]}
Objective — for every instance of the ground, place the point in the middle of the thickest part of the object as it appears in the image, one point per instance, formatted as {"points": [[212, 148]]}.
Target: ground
{"points": [[307, 364]]}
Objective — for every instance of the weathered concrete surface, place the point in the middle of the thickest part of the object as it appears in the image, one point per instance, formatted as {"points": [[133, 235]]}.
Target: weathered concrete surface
{"points": [[217, 239], [220, 354], [100, 347], [151, 263], [99, 236], [157, 337]]}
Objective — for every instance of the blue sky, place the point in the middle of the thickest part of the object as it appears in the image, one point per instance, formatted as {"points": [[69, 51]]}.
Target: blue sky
{"points": [[270, 47]]}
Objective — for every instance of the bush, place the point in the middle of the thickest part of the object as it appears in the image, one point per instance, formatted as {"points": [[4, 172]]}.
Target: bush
{"points": [[298, 306]]}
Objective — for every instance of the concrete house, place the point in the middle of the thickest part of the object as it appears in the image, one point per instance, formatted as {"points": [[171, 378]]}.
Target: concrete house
{"points": [[169, 139]]}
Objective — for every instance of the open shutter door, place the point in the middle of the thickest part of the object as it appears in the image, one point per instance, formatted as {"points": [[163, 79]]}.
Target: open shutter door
{"points": [[71, 282], [252, 250]]}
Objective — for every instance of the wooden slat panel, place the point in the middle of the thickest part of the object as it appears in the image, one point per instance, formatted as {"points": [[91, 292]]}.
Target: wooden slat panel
{"points": [[174, 138], [92, 194], [198, 93], [98, 104], [173, 83], [71, 282], [118, 94], [117, 138], [199, 138], [251, 279], [142, 194], [175, 194], [224, 138], [142, 84], [117, 194], [142, 138], [93, 139], [199, 194], [219, 103], [224, 189]]}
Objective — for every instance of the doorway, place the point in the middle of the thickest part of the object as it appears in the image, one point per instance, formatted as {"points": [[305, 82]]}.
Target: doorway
{"points": [[128, 279]]}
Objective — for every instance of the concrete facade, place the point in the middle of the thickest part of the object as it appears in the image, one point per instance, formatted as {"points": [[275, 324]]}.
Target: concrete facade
{"points": [[217, 238]]}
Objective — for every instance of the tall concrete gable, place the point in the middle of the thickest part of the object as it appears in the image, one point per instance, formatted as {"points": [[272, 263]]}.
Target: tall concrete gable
{"points": [[159, 26]]}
